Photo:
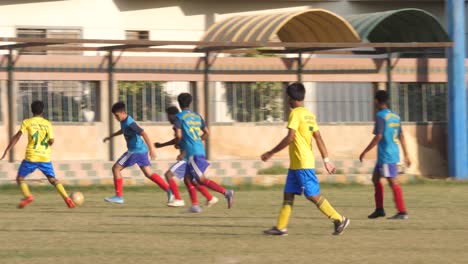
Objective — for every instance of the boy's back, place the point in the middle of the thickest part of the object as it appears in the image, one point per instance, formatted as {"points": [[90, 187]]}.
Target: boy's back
{"points": [[39, 132], [191, 125]]}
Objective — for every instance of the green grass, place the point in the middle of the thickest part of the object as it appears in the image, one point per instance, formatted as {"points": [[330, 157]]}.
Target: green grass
{"points": [[273, 170], [144, 230]]}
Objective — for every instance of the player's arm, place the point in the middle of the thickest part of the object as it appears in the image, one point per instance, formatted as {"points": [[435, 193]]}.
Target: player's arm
{"points": [[12, 143], [182, 154], [288, 139], [118, 133], [405, 149], [378, 132], [165, 144], [324, 152], [206, 131], [147, 140]]}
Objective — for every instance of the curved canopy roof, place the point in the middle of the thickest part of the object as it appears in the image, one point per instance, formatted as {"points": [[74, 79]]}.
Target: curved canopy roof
{"points": [[316, 25], [403, 25]]}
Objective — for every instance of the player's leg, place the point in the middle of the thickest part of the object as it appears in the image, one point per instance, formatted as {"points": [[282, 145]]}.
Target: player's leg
{"points": [[311, 186], [195, 208], [291, 188], [48, 170], [24, 170], [378, 193], [210, 199], [391, 173], [178, 170], [123, 162], [197, 167]]}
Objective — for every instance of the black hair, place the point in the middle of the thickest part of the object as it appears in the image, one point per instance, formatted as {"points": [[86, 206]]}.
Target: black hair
{"points": [[381, 96], [184, 99], [172, 110], [37, 107], [118, 107], [296, 91]]}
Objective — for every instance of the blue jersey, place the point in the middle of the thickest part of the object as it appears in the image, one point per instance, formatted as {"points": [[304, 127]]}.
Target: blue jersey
{"points": [[191, 125], [388, 125], [132, 132]]}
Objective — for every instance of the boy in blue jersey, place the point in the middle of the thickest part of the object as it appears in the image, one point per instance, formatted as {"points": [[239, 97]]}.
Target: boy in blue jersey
{"points": [[191, 130], [178, 170], [137, 153], [388, 134]]}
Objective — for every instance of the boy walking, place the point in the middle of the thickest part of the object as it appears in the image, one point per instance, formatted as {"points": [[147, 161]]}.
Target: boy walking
{"points": [[388, 134], [302, 126], [40, 139], [137, 153], [191, 131]]}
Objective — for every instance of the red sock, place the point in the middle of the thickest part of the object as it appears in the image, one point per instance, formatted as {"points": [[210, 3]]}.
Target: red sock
{"points": [[118, 183], [398, 196], [193, 193], [214, 186], [174, 189], [204, 192], [378, 195], [159, 181]]}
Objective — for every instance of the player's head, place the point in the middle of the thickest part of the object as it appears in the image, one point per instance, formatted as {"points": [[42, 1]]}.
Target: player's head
{"points": [[171, 112], [296, 93], [184, 99], [37, 108], [118, 109], [381, 98]]}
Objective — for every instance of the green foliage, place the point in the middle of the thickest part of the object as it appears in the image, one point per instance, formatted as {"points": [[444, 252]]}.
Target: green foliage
{"points": [[256, 101], [274, 170], [146, 101]]}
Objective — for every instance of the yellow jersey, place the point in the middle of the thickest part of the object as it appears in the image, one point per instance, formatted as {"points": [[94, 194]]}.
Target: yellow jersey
{"points": [[39, 132], [301, 154]]}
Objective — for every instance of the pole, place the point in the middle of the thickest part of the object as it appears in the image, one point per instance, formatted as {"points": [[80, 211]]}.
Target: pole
{"points": [[110, 72], [206, 90], [299, 67], [457, 116], [11, 108]]}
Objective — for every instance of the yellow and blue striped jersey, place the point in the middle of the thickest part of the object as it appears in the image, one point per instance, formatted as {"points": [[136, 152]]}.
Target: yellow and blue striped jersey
{"points": [[39, 132]]}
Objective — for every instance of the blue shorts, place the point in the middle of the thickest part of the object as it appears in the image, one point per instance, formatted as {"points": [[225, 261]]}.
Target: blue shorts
{"points": [[303, 180], [179, 169], [197, 165], [129, 159], [28, 167], [387, 170]]}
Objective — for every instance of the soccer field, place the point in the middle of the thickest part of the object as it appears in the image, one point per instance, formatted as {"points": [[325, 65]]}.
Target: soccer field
{"points": [[144, 230]]}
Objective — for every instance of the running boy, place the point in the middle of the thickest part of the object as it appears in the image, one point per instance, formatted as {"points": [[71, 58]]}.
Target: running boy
{"points": [[40, 139], [302, 126], [137, 153], [178, 170], [191, 131], [388, 133]]}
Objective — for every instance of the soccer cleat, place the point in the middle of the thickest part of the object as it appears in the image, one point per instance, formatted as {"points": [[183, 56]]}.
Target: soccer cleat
{"points": [[379, 212], [170, 196], [276, 232], [176, 203], [194, 209], [69, 202], [115, 199], [341, 226], [212, 202], [25, 201], [400, 216], [229, 197]]}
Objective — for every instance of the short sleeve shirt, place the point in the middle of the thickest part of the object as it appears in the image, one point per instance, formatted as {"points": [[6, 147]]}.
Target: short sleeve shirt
{"points": [[304, 123]]}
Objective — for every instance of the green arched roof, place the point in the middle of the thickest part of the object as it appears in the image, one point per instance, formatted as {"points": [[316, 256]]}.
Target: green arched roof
{"points": [[403, 25]]}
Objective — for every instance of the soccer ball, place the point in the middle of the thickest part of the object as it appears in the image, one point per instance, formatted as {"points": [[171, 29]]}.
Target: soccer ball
{"points": [[77, 198]]}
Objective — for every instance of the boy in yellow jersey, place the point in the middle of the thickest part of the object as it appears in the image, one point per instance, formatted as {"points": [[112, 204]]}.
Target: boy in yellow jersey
{"points": [[40, 138], [302, 126]]}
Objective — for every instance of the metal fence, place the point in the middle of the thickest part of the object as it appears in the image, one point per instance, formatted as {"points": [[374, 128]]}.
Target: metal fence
{"points": [[65, 101], [147, 101]]}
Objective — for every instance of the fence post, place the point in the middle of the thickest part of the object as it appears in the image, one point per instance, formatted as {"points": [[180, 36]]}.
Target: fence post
{"points": [[11, 108], [110, 85]]}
